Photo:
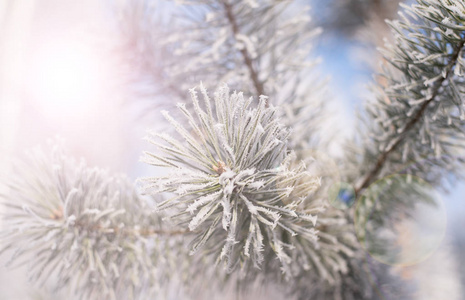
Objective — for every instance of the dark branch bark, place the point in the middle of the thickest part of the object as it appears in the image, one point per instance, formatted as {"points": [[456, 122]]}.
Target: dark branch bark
{"points": [[259, 88], [382, 158]]}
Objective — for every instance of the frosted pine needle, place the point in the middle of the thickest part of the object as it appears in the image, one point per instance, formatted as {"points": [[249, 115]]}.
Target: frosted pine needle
{"points": [[230, 177], [80, 226]]}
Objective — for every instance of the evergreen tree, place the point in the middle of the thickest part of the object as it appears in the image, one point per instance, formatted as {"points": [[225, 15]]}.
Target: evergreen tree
{"points": [[244, 200]]}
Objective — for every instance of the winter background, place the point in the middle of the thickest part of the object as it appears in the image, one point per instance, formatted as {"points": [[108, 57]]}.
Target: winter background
{"points": [[61, 75]]}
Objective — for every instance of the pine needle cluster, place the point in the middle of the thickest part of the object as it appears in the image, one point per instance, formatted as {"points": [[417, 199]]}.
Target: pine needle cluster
{"points": [[231, 178], [88, 229]]}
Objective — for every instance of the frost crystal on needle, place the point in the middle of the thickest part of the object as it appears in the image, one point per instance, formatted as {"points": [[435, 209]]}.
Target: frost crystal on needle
{"points": [[231, 177]]}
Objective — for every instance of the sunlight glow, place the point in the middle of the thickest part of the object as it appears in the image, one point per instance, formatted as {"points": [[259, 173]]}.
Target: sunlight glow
{"points": [[68, 78]]}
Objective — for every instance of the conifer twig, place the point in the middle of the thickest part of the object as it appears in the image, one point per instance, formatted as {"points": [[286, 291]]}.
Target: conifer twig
{"points": [[372, 175], [245, 55]]}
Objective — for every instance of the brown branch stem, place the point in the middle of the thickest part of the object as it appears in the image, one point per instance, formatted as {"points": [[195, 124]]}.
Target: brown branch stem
{"points": [[245, 55], [380, 162]]}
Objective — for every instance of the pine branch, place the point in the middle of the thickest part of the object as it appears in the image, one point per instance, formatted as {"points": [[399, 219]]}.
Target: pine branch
{"points": [[226, 42], [421, 107], [235, 188], [245, 55], [421, 103], [282, 45], [381, 160], [89, 230], [233, 168]]}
